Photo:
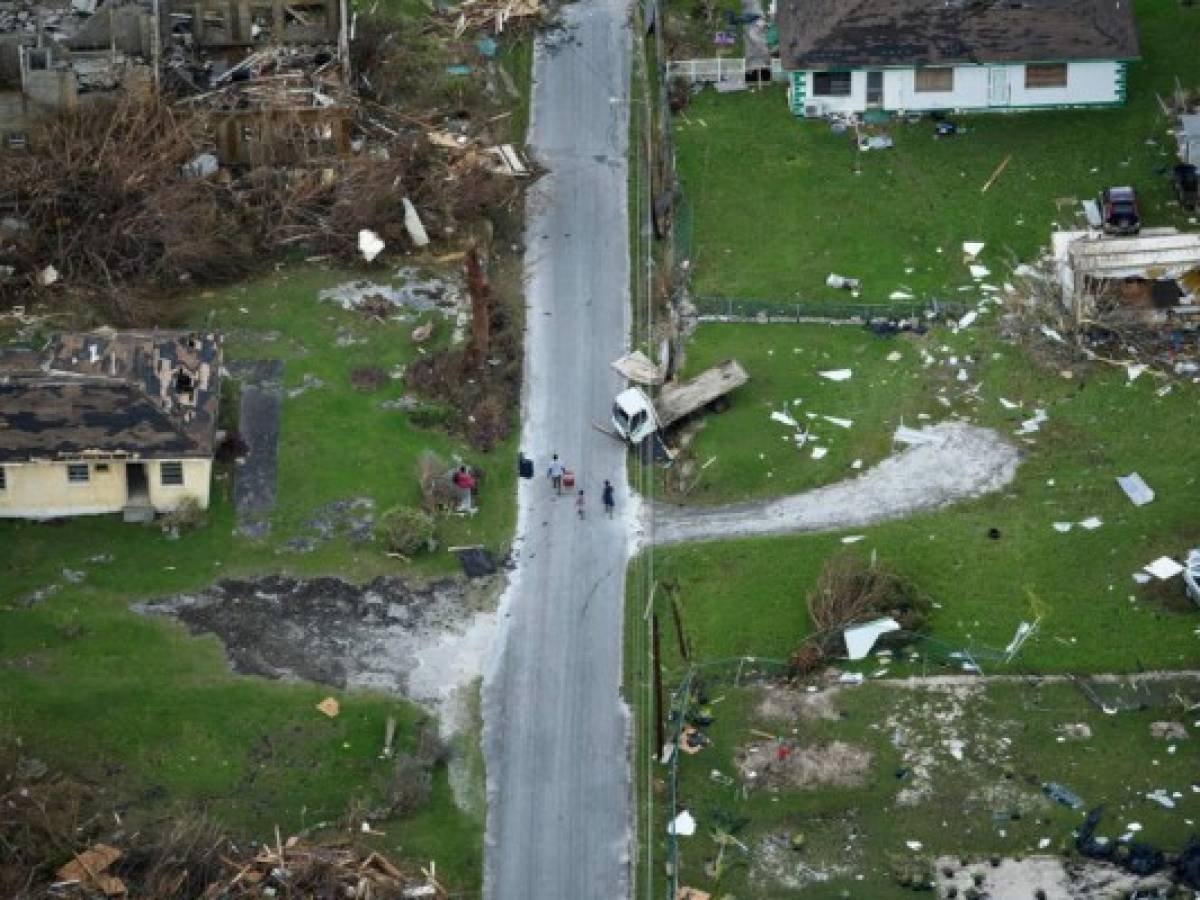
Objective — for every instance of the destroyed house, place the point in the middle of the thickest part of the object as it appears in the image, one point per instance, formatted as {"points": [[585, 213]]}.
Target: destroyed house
{"points": [[850, 56], [107, 422], [58, 56]]}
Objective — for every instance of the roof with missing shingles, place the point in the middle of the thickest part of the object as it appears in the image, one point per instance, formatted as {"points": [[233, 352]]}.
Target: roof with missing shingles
{"points": [[145, 394], [838, 34]]}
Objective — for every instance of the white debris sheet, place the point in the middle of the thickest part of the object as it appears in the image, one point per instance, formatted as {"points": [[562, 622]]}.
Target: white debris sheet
{"points": [[1164, 568], [836, 374], [683, 824], [979, 272], [369, 244], [861, 638], [972, 249], [840, 423], [1135, 488], [1029, 426], [784, 419], [1091, 523], [968, 319]]}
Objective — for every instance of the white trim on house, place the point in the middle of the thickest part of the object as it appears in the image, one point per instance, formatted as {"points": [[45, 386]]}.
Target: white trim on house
{"points": [[975, 87]]}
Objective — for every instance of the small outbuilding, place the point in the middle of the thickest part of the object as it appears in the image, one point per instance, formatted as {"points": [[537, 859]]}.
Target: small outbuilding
{"points": [[108, 421]]}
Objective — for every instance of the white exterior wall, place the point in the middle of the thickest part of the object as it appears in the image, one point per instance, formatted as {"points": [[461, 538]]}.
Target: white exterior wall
{"points": [[197, 474], [856, 102], [1087, 83], [970, 90], [42, 490]]}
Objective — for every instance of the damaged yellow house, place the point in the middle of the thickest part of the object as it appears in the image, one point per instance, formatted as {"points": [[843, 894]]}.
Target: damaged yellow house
{"points": [[107, 422]]}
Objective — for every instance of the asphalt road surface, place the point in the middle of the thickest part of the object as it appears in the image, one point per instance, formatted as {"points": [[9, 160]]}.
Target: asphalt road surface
{"points": [[556, 730]]}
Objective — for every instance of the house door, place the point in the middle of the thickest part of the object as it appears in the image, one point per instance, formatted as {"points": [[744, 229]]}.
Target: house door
{"points": [[998, 86], [875, 89], [137, 487]]}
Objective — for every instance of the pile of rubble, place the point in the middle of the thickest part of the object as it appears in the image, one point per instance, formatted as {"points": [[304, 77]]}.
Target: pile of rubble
{"points": [[291, 868]]}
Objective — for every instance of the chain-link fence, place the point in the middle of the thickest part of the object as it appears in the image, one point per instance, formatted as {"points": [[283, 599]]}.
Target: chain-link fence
{"points": [[733, 309], [737, 672]]}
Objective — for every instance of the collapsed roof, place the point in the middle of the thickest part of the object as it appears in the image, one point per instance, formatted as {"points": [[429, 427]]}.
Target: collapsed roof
{"points": [[838, 34], [108, 393]]}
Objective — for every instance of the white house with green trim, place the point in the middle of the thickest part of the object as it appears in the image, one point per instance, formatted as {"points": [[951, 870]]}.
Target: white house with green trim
{"points": [[850, 56]]}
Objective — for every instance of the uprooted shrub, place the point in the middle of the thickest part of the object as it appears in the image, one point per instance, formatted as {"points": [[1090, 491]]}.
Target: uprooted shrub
{"points": [[408, 531], [437, 491], [187, 516], [850, 591]]}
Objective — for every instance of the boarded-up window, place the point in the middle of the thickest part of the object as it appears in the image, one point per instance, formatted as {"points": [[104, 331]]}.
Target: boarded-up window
{"points": [[1046, 75], [77, 473], [831, 84], [171, 473], [934, 79]]}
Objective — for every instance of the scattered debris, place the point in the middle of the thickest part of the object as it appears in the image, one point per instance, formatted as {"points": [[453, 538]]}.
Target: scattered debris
{"points": [[1163, 568], [860, 639], [1135, 488], [837, 374], [683, 825]]}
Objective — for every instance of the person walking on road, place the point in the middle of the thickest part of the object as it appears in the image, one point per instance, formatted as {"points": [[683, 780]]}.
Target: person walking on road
{"points": [[579, 504], [609, 498], [556, 472]]}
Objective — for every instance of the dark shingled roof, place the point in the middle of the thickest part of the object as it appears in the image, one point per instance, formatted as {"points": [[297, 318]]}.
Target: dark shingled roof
{"points": [[836, 34], [147, 394]]}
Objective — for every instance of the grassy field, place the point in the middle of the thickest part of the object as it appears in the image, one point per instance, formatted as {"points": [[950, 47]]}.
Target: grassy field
{"points": [[747, 597], [777, 203], [159, 714], [748, 455], [960, 771]]}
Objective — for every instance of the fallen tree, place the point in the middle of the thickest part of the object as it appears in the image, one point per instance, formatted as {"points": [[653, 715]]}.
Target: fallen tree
{"points": [[106, 213]]}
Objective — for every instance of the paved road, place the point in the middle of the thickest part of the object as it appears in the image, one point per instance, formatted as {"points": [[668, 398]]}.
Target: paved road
{"points": [[958, 462], [555, 734]]}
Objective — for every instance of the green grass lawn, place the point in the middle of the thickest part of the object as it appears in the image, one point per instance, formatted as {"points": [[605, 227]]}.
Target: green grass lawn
{"points": [[748, 455], [987, 802], [747, 597], [157, 713], [777, 203]]}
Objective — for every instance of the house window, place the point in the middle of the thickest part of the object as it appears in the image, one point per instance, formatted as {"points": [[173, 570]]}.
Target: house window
{"points": [[77, 473], [935, 79], [170, 474], [1046, 75], [831, 84], [3, 479]]}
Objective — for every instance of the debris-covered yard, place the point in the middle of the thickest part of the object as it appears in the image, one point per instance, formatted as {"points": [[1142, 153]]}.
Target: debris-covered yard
{"points": [[1038, 601], [816, 789], [776, 204]]}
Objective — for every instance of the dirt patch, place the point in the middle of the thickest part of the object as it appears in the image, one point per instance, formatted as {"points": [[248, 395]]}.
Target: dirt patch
{"points": [[784, 765], [1056, 878], [386, 635], [781, 703], [831, 851], [368, 378]]}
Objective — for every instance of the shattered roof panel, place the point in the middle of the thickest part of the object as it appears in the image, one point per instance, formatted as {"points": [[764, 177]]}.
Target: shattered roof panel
{"points": [[832, 34], [145, 393]]}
